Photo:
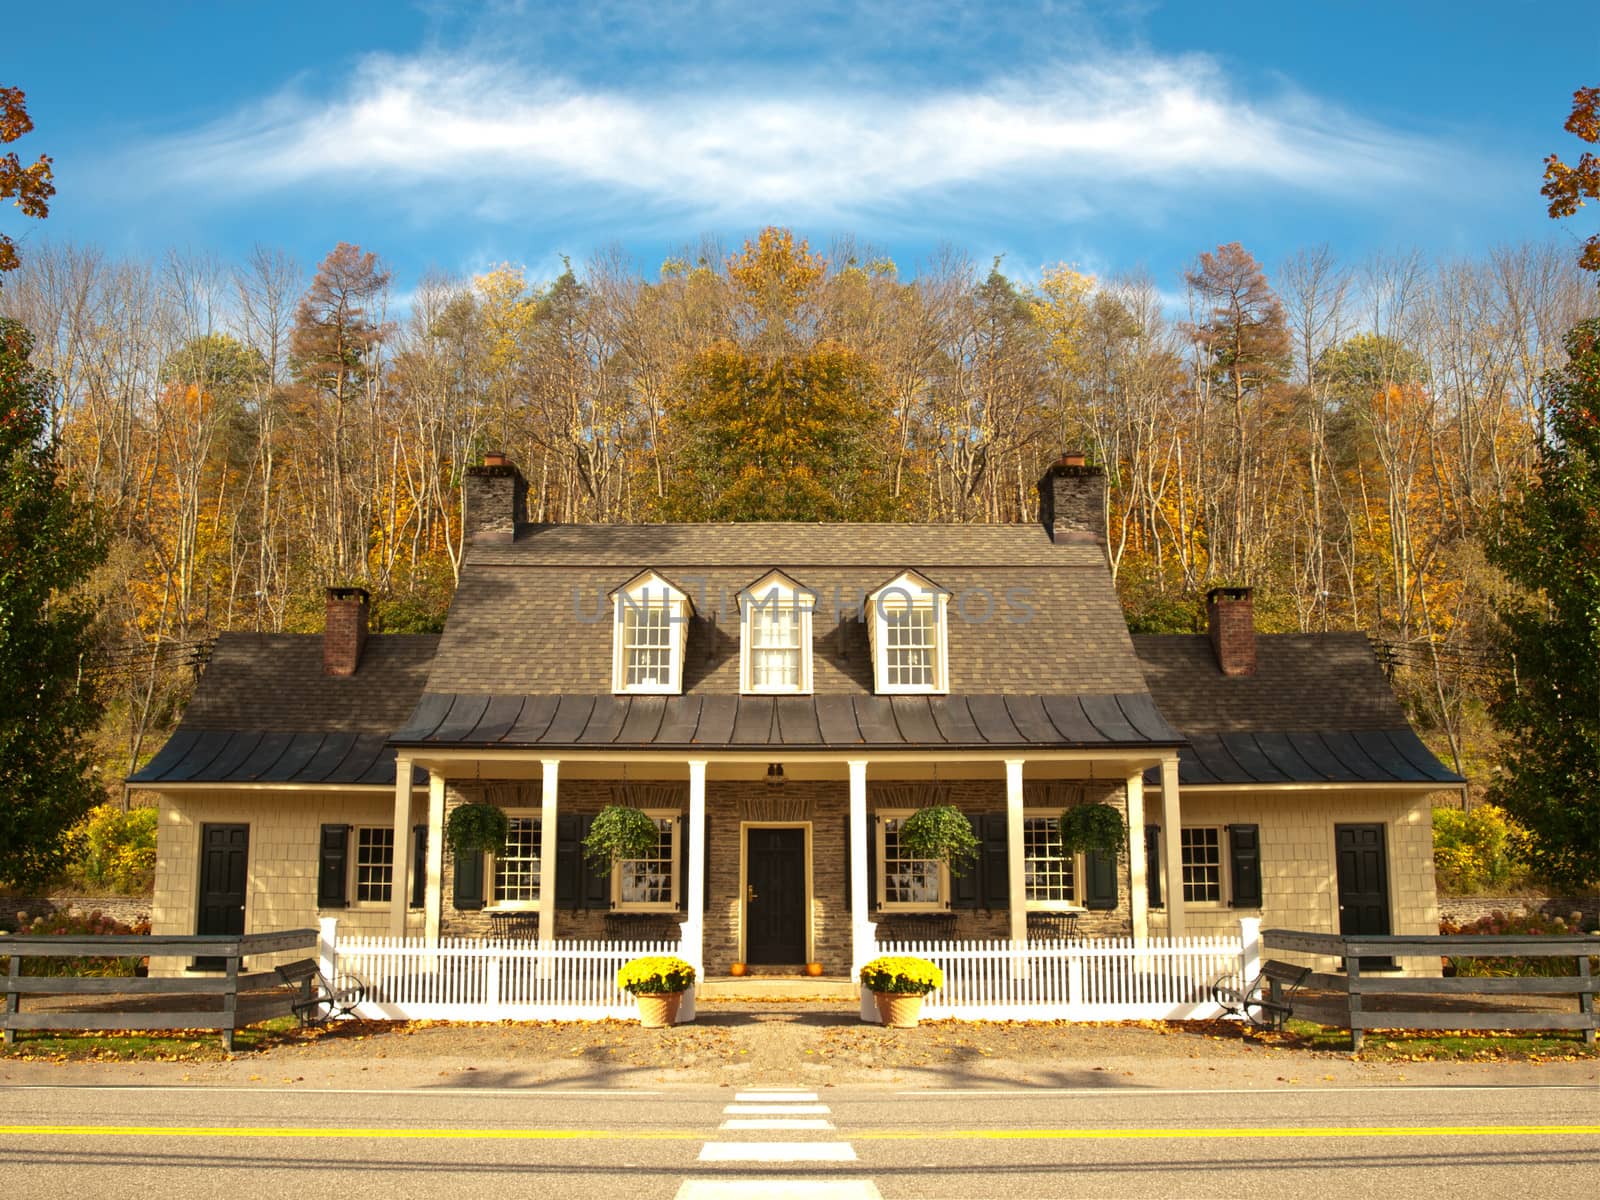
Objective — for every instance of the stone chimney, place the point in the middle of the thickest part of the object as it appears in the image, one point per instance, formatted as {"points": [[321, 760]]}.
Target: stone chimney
{"points": [[1072, 500], [1231, 622], [496, 500], [344, 632]]}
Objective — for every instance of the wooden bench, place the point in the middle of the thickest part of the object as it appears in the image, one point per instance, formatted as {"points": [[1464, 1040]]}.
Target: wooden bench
{"points": [[316, 998], [1266, 1000]]}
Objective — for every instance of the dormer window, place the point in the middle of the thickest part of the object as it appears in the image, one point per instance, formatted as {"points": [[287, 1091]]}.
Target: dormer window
{"points": [[906, 622], [651, 629], [775, 636]]}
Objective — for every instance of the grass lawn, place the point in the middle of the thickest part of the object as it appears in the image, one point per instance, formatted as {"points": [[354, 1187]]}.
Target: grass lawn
{"points": [[1406, 1045], [177, 1045]]}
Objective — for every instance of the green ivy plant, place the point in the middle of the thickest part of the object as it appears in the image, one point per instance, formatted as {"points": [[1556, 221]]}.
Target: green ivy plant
{"points": [[901, 976], [655, 975], [940, 832], [621, 833], [1088, 827], [476, 828]]}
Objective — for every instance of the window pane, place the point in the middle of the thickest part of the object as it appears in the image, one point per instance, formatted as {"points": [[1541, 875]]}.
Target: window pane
{"points": [[649, 880], [516, 867], [909, 647], [906, 880], [647, 643], [1202, 864], [374, 865], [1047, 873], [774, 645]]}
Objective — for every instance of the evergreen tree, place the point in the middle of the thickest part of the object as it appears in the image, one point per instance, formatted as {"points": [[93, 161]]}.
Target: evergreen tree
{"points": [[48, 546], [1549, 544]]}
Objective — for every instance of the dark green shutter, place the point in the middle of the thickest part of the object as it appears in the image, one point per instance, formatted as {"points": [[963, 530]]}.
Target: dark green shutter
{"points": [[1152, 864], [569, 860], [333, 866], [681, 833], [872, 862], [1244, 851], [705, 891], [469, 881], [966, 889], [419, 866], [595, 890], [995, 860], [1100, 880]]}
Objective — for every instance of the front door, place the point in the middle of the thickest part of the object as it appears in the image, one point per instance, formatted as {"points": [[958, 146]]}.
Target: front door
{"points": [[224, 857], [1363, 883], [775, 896]]}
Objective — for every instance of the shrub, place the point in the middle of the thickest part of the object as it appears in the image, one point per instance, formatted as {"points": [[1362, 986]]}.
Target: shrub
{"points": [[901, 976], [1499, 924], [96, 924], [1477, 850], [112, 850], [941, 833], [477, 828], [655, 974], [1086, 827]]}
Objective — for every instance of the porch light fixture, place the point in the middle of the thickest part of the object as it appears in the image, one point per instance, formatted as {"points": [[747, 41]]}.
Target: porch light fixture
{"points": [[774, 775]]}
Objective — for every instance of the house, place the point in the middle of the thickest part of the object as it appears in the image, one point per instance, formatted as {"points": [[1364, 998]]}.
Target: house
{"points": [[779, 697]]}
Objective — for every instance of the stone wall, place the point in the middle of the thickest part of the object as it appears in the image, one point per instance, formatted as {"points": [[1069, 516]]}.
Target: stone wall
{"points": [[128, 910], [1463, 910]]}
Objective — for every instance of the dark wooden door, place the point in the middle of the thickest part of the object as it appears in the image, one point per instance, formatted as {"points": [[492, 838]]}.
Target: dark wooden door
{"points": [[224, 859], [1363, 880], [775, 896]]}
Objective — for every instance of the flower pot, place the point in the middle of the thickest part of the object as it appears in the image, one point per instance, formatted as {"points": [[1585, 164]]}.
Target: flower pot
{"points": [[657, 1010], [814, 969], [737, 969], [899, 1010]]}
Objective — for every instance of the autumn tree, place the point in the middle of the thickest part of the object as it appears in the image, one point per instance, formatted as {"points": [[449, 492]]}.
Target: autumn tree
{"points": [[1549, 702], [48, 546], [1568, 187], [28, 187]]}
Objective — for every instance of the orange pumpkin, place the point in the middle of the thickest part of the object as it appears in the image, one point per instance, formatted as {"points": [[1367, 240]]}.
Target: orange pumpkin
{"points": [[813, 968], [737, 968]]}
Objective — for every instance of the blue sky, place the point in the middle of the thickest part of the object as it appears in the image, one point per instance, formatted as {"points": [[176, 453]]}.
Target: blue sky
{"points": [[1114, 136]]}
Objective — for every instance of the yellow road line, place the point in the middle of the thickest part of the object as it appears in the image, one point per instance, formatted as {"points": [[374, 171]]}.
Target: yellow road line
{"points": [[1345, 1131]]}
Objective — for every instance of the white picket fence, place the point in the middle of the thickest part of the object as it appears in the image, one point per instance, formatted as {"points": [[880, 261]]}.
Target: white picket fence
{"points": [[1099, 979], [468, 979]]}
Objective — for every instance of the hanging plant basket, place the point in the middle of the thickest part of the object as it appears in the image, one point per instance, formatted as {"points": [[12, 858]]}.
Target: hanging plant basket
{"points": [[476, 828], [1092, 827], [941, 833], [620, 833]]}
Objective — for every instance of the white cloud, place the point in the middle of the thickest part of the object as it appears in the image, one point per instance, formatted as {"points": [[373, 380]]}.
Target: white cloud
{"points": [[1072, 137]]}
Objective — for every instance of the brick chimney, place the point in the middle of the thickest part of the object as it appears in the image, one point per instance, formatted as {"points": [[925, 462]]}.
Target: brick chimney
{"points": [[1072, 500], [496, 500], [1231, 622], [344, 632]]}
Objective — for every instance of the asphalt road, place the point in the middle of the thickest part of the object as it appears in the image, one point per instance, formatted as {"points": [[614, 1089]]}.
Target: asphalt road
{"points": [[700, 1143]]}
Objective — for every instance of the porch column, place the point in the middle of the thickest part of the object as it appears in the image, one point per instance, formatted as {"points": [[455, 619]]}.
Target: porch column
{"points": [[1138, 867], [433, 900], [547, 851], [694, 927], [1015, 864], [398, 895], [1172, 831], [863, 935]]}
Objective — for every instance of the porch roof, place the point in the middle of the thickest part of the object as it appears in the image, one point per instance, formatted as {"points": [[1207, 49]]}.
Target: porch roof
{"points": [[1370, 756], [198, 756], [825, 722]]}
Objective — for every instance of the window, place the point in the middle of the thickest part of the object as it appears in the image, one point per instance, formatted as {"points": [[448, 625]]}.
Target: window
{"points": [[651, 630], [516, 867], [1202, 865], [907, 624], [906, 883], [1049, 876], [650, 884], [775, 643], [374, 865]]}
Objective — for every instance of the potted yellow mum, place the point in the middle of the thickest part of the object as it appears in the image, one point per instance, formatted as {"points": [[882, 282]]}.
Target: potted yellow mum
{"points": [[898, 983], [657, 982]]}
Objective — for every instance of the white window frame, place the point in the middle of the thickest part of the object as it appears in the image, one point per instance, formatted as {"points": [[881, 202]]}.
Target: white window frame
{"points": [[775, 590], [1075, 903], [492, 867], [879, 831], [649, 590], [353, 888], [912, 589], [674, 831], [1221, 899]]}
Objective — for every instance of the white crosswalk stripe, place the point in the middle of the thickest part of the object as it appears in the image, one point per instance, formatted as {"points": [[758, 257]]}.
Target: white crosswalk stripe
{"points": [[771, 1110], [777, 1152], [777, 1123], [777, 1110], [779, 1189]]}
